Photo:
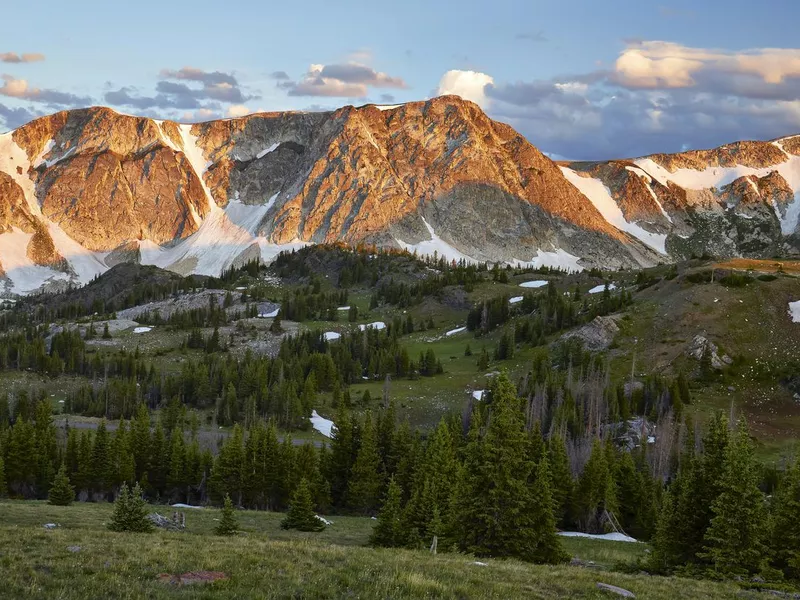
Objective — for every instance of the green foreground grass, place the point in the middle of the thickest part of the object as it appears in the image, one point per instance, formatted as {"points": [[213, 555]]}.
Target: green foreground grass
{"points": [[267, 562]]}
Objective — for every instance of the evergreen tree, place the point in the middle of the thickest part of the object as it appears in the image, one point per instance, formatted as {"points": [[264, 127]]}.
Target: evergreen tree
{"points": [[735, 541], [106, 332], [228, 523], [390, 530], [130, 511], [595, 493], [786, 523], [301, 515], [561, 478], [546, 543], [493, 514], [3, 483], [364, 486], [275, 328], [61, 492]]}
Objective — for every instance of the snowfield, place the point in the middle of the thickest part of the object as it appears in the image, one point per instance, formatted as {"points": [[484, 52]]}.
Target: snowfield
{"points": [[717, 177], [329, 336], [794, 311], [375, 325], [599, 195], [435, 245], [599, 288], [478, 394], [321, 424], [142, 329], [610, 537], [515, 299], [533, 284], [455, 331]]}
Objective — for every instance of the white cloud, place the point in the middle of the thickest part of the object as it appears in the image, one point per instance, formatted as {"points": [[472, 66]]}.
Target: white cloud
{"points": [[654, 64], [238, 110], [470, 85]]}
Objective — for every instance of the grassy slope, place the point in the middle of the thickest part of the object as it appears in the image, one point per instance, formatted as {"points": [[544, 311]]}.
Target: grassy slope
{"points": [[750, 322], [266, 562]]}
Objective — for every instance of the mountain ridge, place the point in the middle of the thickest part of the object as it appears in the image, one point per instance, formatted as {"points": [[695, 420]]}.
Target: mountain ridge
{"points": [[84, 189]]}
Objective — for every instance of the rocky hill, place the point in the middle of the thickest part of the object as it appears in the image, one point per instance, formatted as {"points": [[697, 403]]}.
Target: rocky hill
{"points": [[83, 190]]}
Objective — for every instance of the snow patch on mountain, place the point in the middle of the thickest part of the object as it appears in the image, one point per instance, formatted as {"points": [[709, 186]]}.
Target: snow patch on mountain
{"points": [[266, 151], [599, 195], [557, 259], [86, 264], [794, 311], [435, 245], [25, 275], [717, 177]]}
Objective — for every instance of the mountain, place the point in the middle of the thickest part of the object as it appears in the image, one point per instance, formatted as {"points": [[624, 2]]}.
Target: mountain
{"points": [[83, 190]]}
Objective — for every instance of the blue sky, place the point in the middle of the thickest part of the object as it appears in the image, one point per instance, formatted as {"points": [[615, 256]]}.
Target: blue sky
{"points": [[581, 79]]}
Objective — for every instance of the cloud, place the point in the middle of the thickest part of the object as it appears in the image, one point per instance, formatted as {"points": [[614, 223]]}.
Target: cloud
{"points": [[665, 65], [238, 110], [21, 90], [532, 36], [12, 57], [470, 85], [658, 97], [15, 117], [387, 98], [202, 114], [280, 75], [205, 77], [174, 92], [346, 80]]}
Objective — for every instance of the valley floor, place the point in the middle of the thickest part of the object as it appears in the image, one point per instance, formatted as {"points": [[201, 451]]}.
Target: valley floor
{"points": [[80, 558]]}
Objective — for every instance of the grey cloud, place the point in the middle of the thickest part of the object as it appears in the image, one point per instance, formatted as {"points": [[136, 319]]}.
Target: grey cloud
{"points": [[13, 57], [280, 75], [174, 92], [205, 77], [350, 80], [15, 117], [19, 88], [360, 74], [387, 98]]}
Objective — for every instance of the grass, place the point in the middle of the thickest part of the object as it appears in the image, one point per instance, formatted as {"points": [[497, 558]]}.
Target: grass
{"points": [[266, 562]]}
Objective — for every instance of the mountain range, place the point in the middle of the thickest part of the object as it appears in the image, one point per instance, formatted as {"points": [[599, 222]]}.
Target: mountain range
{"points": [[83, 190]]}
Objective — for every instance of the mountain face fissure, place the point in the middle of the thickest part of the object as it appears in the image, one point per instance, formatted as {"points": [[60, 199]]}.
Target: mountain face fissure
{"points": [[83, 190]]}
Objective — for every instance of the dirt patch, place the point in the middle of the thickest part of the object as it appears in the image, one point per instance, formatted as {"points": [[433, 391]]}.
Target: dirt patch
{"points": [[192, 577], [762, 266]]}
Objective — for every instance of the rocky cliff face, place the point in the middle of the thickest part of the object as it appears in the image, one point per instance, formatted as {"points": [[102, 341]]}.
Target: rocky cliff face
{"points": [[83, 190]]}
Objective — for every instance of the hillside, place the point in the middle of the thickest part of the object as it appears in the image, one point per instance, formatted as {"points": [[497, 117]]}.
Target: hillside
{"points": [[83, 190], [81, 558]]}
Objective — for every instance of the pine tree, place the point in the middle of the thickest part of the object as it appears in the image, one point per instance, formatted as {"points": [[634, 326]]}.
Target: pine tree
{"points": [[595, 492], [301, 515], [390, 531], [493, 512], [786, 523], [276, 328], [735, 541], [106, 332], [364, 486], [546, 543], [130, 511], [61, 492], [3, 483], [561, 483], [228, 523], [433, 482]]}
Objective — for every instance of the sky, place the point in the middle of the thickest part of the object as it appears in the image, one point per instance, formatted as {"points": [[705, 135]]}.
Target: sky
{"points": [[580, 80]]}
